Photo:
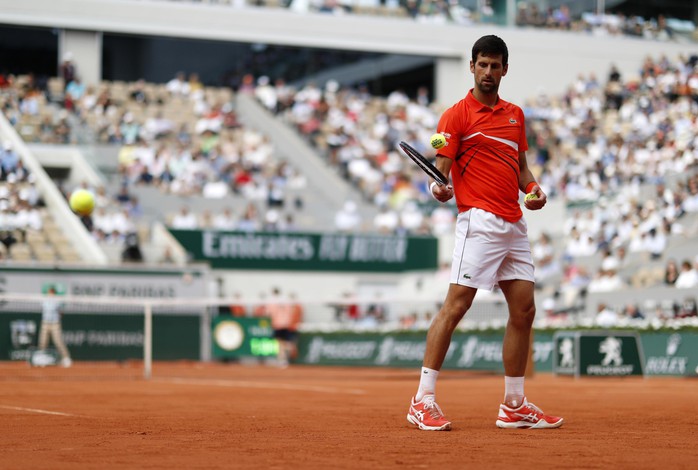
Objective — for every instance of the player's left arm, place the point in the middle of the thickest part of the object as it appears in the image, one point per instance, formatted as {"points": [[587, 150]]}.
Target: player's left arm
{"points": [[525, 179]]}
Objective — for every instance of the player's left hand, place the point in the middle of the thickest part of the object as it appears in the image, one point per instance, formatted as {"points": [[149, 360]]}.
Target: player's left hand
{"points": [[536, 203]]}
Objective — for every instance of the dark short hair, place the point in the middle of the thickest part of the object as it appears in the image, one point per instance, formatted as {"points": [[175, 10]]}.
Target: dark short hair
{"points": [[489, 46]]}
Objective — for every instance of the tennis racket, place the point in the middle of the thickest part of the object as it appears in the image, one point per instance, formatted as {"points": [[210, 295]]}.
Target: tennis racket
{"points": [[424, 164]]}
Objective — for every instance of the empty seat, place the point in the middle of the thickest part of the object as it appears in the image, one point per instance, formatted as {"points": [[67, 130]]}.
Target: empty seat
{"points": [[44, 253], [20, 252]]}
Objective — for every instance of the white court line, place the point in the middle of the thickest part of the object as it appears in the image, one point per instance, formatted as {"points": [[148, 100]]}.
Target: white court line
{"points": [[35, 410], [269, 385]]}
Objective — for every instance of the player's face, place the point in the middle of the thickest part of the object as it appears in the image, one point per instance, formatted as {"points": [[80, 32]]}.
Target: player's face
{"points": [[488, 72]]}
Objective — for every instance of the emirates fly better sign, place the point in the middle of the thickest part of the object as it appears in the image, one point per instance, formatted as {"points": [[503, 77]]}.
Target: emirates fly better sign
{"points": [[309, 252]]}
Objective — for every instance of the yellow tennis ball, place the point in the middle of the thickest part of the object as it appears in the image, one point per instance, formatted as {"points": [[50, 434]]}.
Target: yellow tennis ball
{"points": [[82, 202], [530, 196], [437, 140]]}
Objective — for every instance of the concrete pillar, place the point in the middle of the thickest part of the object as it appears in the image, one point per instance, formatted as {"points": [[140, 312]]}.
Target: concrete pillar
{"points": [[511, 13], [86, 50], [452, 79]]}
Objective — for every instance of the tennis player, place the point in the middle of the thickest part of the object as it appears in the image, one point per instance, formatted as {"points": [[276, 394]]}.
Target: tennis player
{"points": [[485, 154]]}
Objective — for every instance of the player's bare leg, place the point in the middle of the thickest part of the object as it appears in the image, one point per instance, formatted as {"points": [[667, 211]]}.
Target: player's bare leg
{"points": [[522, 310], [516, 411], [458, 301], [424, 412]]}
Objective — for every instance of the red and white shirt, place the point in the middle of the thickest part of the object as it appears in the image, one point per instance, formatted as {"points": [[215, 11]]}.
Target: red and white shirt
{"points": [[484, 144]]}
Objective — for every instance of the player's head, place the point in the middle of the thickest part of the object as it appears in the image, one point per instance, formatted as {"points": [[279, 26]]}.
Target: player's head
{"points": [[491, 46], [489, 63]]}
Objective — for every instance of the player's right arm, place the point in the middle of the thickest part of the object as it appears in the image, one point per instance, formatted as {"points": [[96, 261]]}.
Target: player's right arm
{"points": [[442, 193], [449, 125]]}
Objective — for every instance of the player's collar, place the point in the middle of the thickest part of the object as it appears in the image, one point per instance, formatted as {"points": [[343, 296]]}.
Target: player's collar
{"points": [[479, 107]]}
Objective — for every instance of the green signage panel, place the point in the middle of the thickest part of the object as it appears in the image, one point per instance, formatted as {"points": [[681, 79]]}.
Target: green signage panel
{"points": [[566, 352], [610, 353], [309, 251], [176, 337], [475, 351], [96, 337], [670, 353], [242, 337], [599, 353]]}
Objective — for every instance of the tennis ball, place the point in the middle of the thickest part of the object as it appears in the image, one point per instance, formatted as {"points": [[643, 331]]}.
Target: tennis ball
{"points": [[82, 202], [437, 140], [530, 196]]}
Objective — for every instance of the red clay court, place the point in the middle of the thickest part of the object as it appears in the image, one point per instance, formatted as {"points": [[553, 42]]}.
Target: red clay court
{"points": [[193, 415]]}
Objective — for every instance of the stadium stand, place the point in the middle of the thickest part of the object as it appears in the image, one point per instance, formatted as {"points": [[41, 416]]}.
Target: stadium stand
{"points": [[592, 141], [619, 151], [580, 17]]}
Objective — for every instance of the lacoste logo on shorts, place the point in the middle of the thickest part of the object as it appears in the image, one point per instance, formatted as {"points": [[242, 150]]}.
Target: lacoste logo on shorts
{"points": [[466, 276]]}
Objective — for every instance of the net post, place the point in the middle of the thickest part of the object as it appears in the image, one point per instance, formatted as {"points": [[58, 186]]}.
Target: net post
{"points": [[148, 341]]}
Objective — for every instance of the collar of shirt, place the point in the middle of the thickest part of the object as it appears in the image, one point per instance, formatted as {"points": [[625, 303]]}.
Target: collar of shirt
{"points": [[479, 107]]}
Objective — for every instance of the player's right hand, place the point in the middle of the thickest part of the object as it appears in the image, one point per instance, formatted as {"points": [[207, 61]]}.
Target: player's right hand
{"points": [[442, 193]]}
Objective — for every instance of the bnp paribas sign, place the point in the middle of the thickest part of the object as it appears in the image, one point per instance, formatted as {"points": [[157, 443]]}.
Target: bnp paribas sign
{"points": [[309, 251]]}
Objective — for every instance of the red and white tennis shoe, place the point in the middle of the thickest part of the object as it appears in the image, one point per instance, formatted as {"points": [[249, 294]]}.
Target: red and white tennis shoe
{"points": [[427, 415], [527, 416]]}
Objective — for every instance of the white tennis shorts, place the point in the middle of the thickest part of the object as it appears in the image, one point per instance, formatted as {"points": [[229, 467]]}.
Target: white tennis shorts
{"points": [[489, 249]]}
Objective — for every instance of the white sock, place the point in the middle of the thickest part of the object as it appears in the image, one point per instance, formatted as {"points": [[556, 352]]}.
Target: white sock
{"points": [[514, 391], [427, 383]]}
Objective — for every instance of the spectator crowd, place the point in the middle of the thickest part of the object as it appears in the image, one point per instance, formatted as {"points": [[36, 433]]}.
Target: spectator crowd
{"points": [[528, 14], [621, 152]]}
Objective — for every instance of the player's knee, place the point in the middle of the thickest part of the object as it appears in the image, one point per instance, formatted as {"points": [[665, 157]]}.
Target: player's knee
{"points": [[447, 322], [523, 317], [453, 313]]}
